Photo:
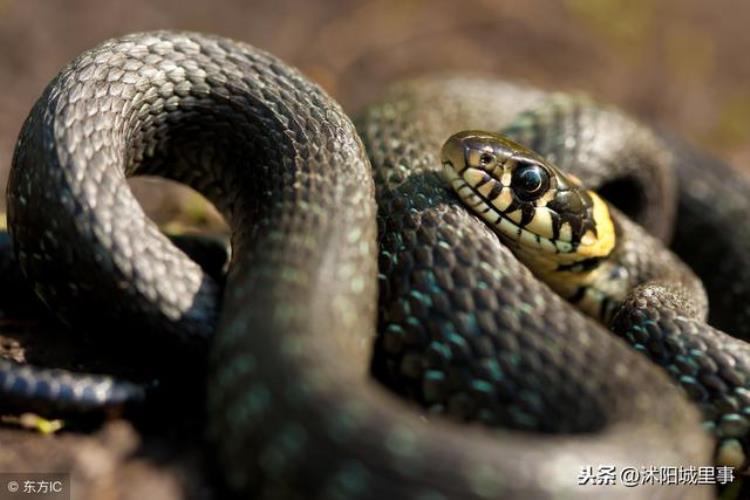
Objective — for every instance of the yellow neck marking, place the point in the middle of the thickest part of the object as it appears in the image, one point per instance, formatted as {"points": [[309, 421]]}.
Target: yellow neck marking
{"points": [[546, 265], [602, 243]]}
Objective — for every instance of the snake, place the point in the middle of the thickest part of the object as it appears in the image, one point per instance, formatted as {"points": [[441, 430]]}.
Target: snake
{"points": [[396, 320]]}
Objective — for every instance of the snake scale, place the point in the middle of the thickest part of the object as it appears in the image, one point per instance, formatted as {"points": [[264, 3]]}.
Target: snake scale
{"points": [[346, 238]]}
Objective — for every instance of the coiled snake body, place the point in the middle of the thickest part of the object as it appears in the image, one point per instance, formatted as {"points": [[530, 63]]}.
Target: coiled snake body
{"points": [[465, 328]]}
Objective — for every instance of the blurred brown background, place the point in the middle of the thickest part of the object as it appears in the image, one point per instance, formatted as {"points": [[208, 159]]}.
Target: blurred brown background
{"points": [[679, 63], [682, 63]]}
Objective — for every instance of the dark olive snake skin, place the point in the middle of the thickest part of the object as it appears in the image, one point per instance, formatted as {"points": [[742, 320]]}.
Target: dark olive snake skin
{"points": [[465, 329]]}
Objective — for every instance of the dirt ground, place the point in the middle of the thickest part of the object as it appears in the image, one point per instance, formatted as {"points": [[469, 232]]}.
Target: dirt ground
{"points": [[678, 63]]}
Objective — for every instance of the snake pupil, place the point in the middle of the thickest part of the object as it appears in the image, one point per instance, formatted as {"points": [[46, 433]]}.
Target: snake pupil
{"points": [[530, 181]]}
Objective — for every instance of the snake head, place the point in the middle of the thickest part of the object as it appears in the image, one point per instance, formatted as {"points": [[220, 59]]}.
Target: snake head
{"points": [[529, 202]]}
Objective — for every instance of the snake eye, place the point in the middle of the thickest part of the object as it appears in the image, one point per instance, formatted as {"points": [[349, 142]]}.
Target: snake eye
{"points": [[485, 158], [530, 181]]}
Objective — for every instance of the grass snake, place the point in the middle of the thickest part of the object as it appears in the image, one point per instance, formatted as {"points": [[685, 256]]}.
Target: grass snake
{"points": [[344, 238]]}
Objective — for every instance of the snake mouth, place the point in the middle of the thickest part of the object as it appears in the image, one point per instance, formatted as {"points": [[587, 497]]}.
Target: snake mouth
{"points": [[522, 228]]}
